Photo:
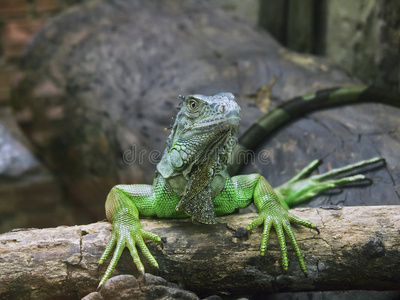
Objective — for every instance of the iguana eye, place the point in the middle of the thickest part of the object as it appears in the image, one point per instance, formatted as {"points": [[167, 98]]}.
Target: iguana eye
{"points": [[192, 104]]}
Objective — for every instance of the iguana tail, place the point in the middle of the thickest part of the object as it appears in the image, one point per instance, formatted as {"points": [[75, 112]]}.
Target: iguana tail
{"points": [[299, 106]]}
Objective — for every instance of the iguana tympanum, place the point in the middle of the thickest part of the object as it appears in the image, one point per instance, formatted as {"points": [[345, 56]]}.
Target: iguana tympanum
{"points": [[192, 177]]}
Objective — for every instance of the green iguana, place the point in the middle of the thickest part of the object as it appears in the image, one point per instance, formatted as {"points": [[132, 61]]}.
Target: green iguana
{"points": [[192, 178]]}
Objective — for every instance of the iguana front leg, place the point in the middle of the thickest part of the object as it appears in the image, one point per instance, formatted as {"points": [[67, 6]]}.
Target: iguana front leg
{"points": [[123, 206], [123, 213], [255, 188]]}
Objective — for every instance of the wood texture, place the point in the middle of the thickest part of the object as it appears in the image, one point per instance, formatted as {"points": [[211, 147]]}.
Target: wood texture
{"points": [[358, 248]]}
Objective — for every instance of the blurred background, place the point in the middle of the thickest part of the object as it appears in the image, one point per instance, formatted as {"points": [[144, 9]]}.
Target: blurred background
{"points": [[361, 36]]}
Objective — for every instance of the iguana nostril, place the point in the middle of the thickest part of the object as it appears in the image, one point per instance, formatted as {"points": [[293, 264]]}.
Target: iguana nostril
{"points": [[233, 116]]}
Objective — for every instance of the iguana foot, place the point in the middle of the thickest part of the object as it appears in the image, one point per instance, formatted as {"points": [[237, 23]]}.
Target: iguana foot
{"points": [[299, 189], [127, 232], [281, 219]]}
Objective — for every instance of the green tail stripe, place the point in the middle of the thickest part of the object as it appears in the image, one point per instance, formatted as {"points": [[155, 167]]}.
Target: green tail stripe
{"points": [[299, 106]]}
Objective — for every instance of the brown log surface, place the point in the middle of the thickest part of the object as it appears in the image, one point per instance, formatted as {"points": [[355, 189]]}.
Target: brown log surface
{"points": [[358, 248]]}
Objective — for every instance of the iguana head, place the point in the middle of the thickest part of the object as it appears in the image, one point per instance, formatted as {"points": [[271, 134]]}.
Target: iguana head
{"points": [[204, 126], [198, 150]]}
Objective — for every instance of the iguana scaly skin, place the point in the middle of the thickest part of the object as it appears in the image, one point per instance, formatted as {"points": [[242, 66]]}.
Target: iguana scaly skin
{"points": [[192, 178]]}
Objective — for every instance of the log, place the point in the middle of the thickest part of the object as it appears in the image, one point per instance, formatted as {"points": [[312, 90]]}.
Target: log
{"points": [[358, 248]]}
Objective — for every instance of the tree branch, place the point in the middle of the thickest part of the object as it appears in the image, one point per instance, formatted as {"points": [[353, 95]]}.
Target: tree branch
{"points": [[358, 248]]}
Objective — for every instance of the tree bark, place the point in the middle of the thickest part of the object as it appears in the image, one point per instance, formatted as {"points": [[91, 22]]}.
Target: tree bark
{"points": [[358, 248]]}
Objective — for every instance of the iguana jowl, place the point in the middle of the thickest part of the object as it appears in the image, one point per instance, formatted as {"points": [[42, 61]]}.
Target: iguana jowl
{"points": [[192, 180]]}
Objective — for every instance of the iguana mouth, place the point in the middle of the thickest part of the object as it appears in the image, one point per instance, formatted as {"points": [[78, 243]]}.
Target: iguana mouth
{"points": [[233, 121], [228, 121]]}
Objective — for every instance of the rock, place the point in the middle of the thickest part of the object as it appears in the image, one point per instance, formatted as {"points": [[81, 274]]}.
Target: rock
{"points": [[31, 194], [148, 288]]}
